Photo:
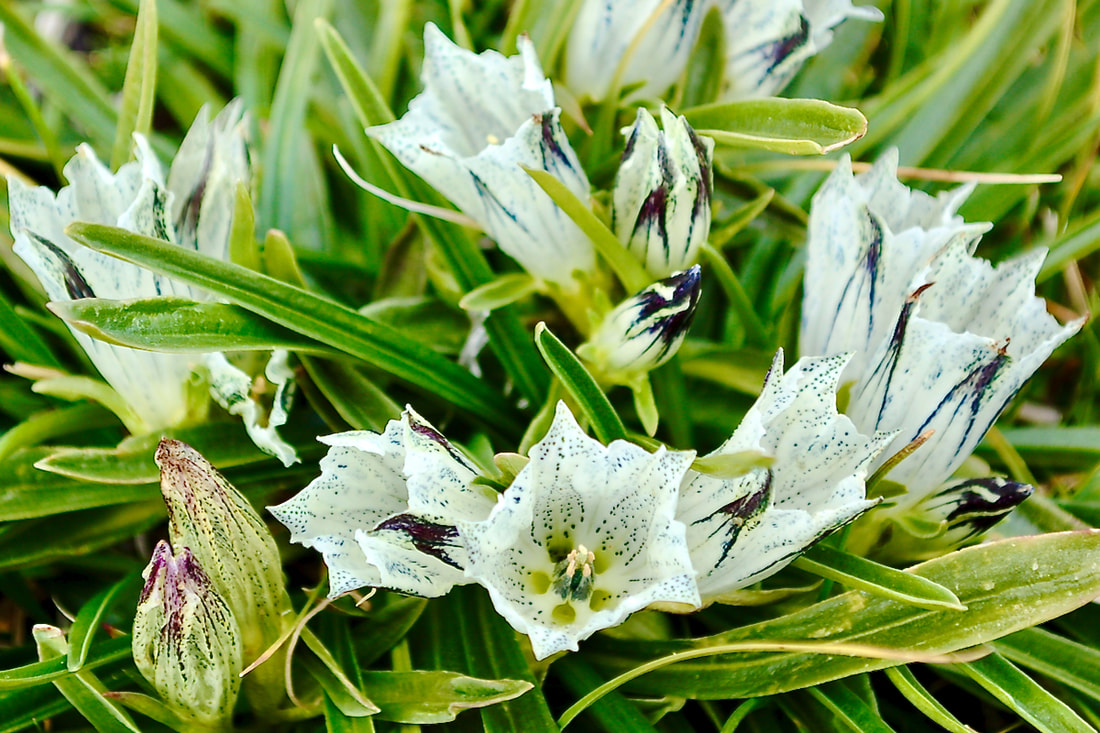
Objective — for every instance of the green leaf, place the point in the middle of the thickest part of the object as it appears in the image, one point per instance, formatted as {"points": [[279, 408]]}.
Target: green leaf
{"points": [[1022, 694], [328, 322], [347, 695], [53, 423], [179, 325], [40, 673], [849, 708], [423, 697], [504, 290], [140, 85], [591, 400], [356, 398], [922, 700], [706, 66], [74, 388], [866, 575], [612, 712], [732, 465], [225, 444], [388, 626], [21, 342], [88, 619], [626, 266], [1073, 664], [1006, 586], [793, 126], [82, 689]]}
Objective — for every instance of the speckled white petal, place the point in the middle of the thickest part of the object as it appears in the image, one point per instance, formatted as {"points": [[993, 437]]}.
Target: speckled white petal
{"points": [[360, 485], [232, 389], [440, 477], [479, 119], [743, 529], [603, 31], [415, 556], [869, 240], [768, 41], [577, 496]]}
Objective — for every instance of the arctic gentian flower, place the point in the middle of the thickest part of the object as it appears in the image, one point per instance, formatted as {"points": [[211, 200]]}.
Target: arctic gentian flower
{"points": [[193, 207], [186, 641], [943, 340], [743, 529], [583, 537], [480, 119], [645, 330], [605, 30], [767, 41], [661, 200], [384, 509]]}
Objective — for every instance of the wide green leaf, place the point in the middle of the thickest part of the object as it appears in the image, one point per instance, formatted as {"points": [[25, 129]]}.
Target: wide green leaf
{"points": [[1006, 586], [423, 697], [794, 126], [179, 325], [315, 317]]}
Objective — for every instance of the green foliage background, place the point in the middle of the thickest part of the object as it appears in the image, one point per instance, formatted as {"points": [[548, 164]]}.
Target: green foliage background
{"points": [[1010, 86]]}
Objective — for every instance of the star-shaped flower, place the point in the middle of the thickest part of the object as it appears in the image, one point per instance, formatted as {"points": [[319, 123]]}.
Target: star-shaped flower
{"points": [[584, 536]]}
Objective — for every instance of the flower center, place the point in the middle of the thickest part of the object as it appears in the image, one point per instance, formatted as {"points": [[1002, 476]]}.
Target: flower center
{"points": [[573, 574]]}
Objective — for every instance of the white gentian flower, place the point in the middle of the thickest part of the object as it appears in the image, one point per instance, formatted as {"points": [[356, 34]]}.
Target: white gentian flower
{"points": [[743, 529], [767, 41], [661, 199], [606, 30], [583, 537], [383, 510], [943, 340], [480, 119], [645, 330], [193, 207]]}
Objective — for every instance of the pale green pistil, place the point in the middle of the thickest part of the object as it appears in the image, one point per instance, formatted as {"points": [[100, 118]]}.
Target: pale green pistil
{"points": [[573, 575]]}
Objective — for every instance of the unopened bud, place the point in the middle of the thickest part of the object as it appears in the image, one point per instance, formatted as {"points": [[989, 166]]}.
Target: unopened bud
{"points": [[186, 641], [644, 331], [661, 201]]}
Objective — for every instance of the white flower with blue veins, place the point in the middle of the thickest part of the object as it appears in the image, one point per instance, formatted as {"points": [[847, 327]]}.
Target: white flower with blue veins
{"points": [[742, 529], [383, 510], [191, 206], [943, 340], [585, 536], [480, 120], [768, 42]]}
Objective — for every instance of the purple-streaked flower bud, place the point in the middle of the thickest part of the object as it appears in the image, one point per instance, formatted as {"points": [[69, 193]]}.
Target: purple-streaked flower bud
{"points": [[646, 330], [661, 202], [186, 641], [227, 537], [957, 515]]}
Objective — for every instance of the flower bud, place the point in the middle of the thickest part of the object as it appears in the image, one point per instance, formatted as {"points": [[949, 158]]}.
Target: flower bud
{"points": [[644, 331], [952, 517], [233, 545], [661, 201], [186, 641]]}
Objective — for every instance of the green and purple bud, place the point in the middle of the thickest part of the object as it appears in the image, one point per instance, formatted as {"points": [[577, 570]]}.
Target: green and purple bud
{"points": [[186, 642], [661, 201], [233, 545], [646, 330]]}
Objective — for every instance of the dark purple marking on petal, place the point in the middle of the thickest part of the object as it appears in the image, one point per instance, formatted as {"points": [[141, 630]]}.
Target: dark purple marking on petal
{"points": [[982, 502], [431, 538], [188, 224], [888, 365], [75, 284], [550, 144], [733, 517]]}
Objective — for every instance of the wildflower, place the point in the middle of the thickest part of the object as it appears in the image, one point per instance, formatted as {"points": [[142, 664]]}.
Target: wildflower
{"points": [[583, 537], [662, 193], [657, 36], [767, 42], [744, 528], [479, 119], [383, 510], [193, 207], [943, 340], [646, 330], [186, 641]]}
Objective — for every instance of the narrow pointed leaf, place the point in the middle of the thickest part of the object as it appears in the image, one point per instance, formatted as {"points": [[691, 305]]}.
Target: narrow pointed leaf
{"points": [[1022, 694], [590, 398], [794, 126], [40, 673], [328, 322], [922, 700], [424, 697], [872, 577], [88, 619], [139, 86]]}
